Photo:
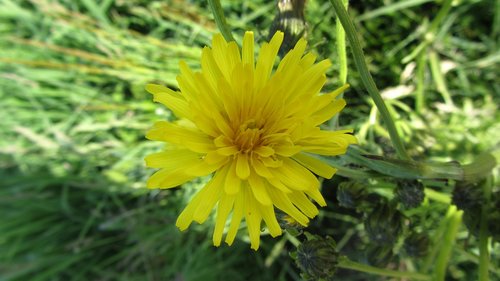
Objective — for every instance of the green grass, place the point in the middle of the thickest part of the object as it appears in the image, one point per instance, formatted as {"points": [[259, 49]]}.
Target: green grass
{"points": [[74, 112]]}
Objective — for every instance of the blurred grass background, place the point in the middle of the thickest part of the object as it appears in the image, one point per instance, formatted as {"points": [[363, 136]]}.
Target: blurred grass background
{"points": [[74, 111]]}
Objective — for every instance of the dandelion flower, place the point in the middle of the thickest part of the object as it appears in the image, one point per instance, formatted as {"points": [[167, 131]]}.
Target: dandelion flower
{"points": [[254, 130]]}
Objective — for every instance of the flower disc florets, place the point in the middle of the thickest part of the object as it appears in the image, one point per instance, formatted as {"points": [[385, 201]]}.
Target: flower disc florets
{"points": [[254, 129]]}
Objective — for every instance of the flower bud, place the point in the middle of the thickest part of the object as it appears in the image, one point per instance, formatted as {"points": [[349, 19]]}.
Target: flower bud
{"points": [[317, 257], [384, 225], [467, 196], [470, 198], [410, 193], [350, 194]]}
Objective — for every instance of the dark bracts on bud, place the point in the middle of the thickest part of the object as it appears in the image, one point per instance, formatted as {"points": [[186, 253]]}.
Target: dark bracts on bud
{"points": [[353, 195], [317, 257], [384, 225], [410, 193], [350, 194], [469, 197]]}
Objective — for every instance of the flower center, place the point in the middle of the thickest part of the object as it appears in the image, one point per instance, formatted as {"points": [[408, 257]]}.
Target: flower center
{"points": [[248, 136]]}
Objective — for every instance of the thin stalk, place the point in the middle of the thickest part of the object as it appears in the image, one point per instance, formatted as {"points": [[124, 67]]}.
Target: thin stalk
{"points": [[405, 169], [484, 256], [348, 264], [420, 92], [439, 78], [349, 172], [454, 219], [342, 59], [366, 77], [220, 19], [341, 48], [437, 196]]}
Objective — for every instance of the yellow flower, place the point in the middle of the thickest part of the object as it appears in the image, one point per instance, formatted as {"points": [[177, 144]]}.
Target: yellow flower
{"points": [[254, 129]]}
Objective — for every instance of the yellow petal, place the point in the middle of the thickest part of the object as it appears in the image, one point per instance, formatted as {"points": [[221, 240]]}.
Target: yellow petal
{"points": [[327, 143], [316, 195], [238, 212], [223, 210], [214, 157], [253, 219], [287, 150], [258, 187], [182, 136], [233, 182], [317, 166], [279, 185], [228, 150], [270, 218], [247, 50], [186, 216], [172, 159], [295, 176], [186, 81], [225, 54], [167, 178], [293, 57], [242, 167], [260, 168], [307, 60], [271, 162], [282, 202], [202, 168], [212, 194], [264, 151], [328, 112], [266, 59], [174, 101], [300, 200], [209, 67]]}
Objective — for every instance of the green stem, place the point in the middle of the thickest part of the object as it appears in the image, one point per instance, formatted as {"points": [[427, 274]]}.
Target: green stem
{"points": [[454, 219], [438, 196], [341, 48], [348, 264], [366, 77], [484, 256], [342, 60], [342, 170], [409, 169], [420, 92], [220, 20], [405, 169], [439, 78]]}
